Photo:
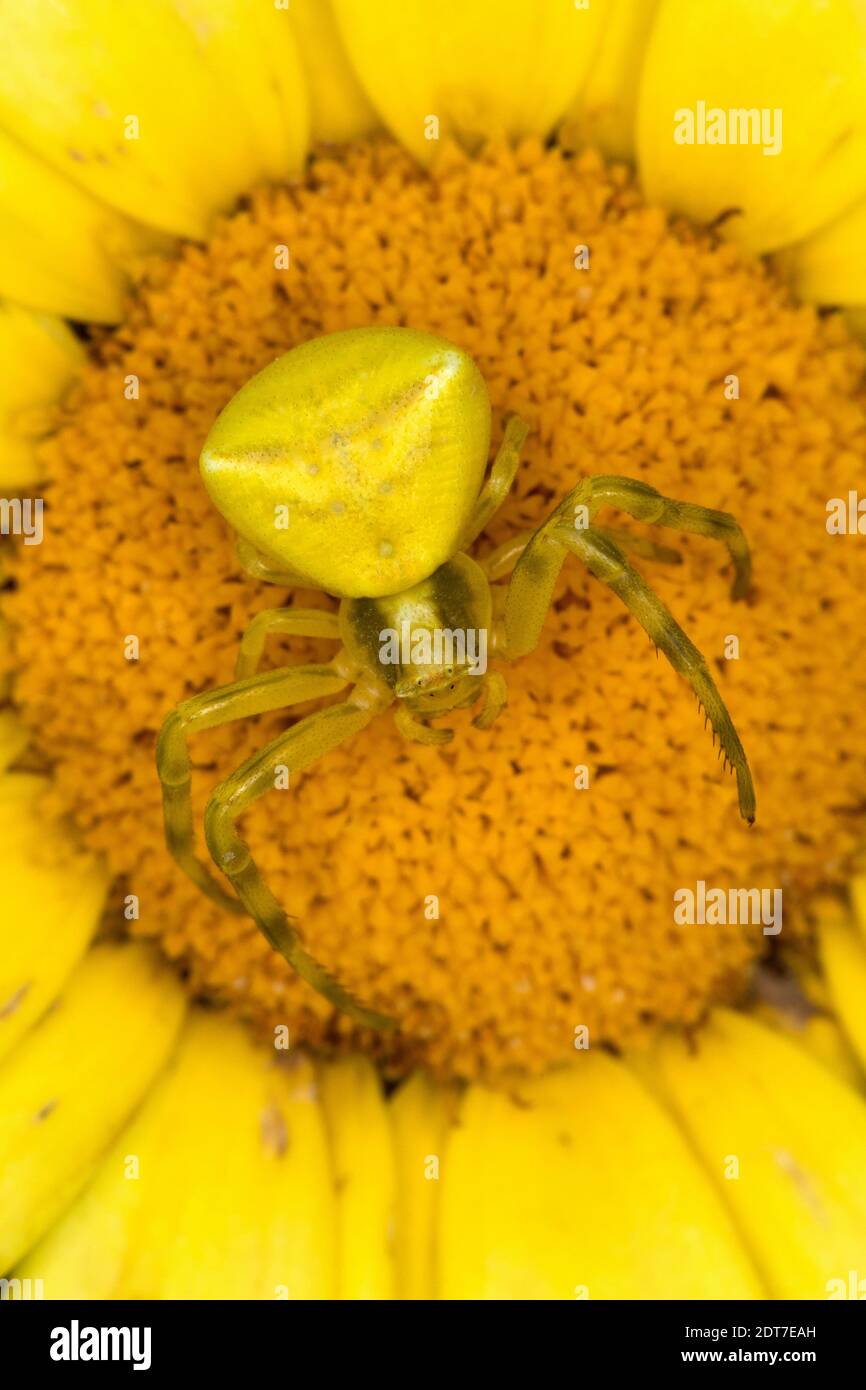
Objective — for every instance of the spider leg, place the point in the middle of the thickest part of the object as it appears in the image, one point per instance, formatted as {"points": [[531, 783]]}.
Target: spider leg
{"points": [[258, 566], [530, 593], [644, 503], [494, 698], [256, 695], [418, 730], [498, 485], [641, 545], [297, 748], [501, 561], [290, 622]]}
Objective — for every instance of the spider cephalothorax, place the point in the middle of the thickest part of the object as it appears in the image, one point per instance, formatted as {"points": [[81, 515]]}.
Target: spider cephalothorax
{"points": [[356, 464]]}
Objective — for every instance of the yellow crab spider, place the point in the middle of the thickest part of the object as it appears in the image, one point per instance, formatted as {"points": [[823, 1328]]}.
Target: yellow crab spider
{"points": [[356, 464]]}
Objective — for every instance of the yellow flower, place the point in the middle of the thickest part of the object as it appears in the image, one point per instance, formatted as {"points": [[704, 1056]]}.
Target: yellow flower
{"points": [[148, 1147]]}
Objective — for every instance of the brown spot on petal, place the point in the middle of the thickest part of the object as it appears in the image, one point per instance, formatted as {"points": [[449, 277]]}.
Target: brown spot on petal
{"points": [[274, 1130], [13, 1002]]}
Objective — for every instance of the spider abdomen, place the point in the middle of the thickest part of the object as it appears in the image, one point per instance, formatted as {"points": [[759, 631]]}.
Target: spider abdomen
{"points": [[354, 460]]}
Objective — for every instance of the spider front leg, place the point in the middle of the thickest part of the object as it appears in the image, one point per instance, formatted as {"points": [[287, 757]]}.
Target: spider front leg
{"points": [[257, 695], [494, 698], [498, 485], [258, 566], [644, 503], [294, 750], [501, 561], [528, 600], [418, 730]]}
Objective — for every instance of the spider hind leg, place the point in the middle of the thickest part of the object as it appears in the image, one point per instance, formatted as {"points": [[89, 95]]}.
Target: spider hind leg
{"points": [[607, 562], [645, 503], [532, 584]]}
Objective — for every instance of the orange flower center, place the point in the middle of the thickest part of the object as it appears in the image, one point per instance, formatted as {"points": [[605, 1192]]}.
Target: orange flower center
{"points": [[518, 885]]}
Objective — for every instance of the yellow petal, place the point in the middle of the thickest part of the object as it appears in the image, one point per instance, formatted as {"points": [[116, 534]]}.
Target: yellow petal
{"points": [[51, 898], [253, 52], [83, 1254], [606, 110], [784, 1141], [39, 357], [820, 1036], [61, 250], [827, 1042], [339, 107], [221, 1187], [829, 267], [577, 1185], [166, 111], [418, 1119], [477, 67], [363, 1159], [803, 63], [70, 1084], [843, 957], [800, 1005]]}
